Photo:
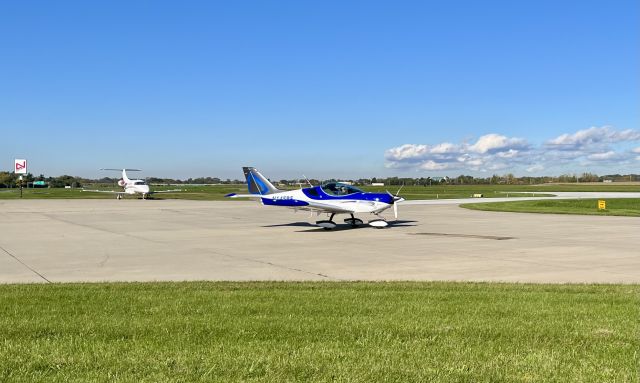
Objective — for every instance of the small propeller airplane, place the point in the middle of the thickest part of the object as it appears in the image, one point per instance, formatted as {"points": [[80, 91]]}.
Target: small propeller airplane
{"points": [[131, 186], [332, 198]]}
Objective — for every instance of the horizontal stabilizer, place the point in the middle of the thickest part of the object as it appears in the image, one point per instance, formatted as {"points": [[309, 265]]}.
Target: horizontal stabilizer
{"points": [[234, 195]]}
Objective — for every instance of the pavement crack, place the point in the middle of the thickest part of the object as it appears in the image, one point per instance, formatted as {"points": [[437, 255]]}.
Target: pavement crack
{"points": [[99, 229], [24, 264], [272, 264], [104, 260]]}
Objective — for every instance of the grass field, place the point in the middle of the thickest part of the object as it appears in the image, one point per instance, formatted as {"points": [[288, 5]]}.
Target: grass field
{"points": [[615, 206], [347, 332], [217, 192]]}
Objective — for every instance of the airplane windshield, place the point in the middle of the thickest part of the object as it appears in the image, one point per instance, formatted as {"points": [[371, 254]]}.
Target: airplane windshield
{"points": [[139, 183], [339, 189]]}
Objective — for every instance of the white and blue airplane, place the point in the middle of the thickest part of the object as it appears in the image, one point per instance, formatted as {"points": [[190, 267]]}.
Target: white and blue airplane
{"points": [[332, 198]]}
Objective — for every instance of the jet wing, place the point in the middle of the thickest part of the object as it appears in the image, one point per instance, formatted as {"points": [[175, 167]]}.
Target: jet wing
{"points": [[103, 191], [166, 191]]}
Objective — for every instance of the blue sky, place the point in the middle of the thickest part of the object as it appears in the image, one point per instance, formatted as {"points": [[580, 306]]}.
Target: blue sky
{"points": [[328, 89]]}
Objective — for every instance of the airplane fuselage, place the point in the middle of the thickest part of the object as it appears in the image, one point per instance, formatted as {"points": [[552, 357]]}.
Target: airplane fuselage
{"points": [[359, 202], [136, 187]]}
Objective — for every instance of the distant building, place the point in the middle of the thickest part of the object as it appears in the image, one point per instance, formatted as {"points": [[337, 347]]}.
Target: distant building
{"points": [[607, 181], [377, 184]]}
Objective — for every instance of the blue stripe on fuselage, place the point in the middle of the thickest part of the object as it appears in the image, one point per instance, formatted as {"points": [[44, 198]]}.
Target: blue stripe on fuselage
{"points": [[316, 193], [283, 202]]}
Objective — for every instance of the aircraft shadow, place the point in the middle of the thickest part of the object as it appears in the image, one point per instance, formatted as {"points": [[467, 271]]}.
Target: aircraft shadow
{"points": [[340, 227], [304, 224]]}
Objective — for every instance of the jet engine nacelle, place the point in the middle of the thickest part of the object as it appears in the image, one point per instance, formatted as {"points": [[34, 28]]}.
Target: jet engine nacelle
{"points": [[122, 183]]}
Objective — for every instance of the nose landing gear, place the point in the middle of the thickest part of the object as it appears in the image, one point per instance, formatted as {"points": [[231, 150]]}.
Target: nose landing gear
{"points": [[379, 222]]}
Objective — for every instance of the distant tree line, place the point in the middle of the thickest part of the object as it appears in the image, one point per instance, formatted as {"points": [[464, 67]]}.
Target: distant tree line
{"points": [[506, 179], [9, 180]]}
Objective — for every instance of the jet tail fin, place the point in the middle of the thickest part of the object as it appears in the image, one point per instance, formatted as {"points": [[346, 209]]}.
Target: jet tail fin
{"points": [[124, 173], [257, 183]]}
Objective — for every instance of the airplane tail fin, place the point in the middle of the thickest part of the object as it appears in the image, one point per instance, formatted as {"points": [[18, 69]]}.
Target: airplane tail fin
{"points": [[124, 173], [257, 183], [124, 176]]}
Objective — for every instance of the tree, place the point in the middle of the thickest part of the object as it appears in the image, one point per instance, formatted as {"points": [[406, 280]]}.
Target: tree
{"points": [[7, 179]]}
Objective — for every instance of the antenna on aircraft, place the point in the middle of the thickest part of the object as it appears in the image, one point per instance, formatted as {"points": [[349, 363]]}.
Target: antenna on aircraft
{"points": [[309, 182]]}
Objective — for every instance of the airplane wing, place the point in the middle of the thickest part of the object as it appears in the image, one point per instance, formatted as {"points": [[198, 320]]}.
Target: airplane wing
{"points": [[103, 191], [317, 206], [312, 205], [166, 191]]}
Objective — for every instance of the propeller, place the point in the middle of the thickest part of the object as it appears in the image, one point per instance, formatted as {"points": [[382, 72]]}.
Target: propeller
{"points": [[396, 199], [395, 210]]}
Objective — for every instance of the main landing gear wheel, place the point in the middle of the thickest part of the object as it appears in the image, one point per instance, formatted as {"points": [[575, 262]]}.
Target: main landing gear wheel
{"points": [[353, 221], [328, 224]]}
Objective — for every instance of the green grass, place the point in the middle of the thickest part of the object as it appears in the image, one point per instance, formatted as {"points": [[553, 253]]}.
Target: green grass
{"points": [[615, 206], [217, 192], [347, 332]]}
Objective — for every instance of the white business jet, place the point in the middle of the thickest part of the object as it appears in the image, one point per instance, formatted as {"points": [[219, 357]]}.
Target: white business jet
{"points": [[131, 187]]}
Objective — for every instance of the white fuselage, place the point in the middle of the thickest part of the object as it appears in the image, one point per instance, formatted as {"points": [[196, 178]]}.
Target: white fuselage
{"points": [[136, 187], [356, 205]]}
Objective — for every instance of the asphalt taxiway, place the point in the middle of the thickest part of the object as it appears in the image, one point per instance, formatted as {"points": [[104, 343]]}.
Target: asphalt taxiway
{"points": [[175, 240]]}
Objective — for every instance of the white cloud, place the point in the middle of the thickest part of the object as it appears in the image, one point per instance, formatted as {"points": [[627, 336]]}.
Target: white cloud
{"points": [[588, 147], [494, 142], [432, 165], [508, 154], [407, 151], [535, 168], [445, 147], [593, 136], [603, 156]]}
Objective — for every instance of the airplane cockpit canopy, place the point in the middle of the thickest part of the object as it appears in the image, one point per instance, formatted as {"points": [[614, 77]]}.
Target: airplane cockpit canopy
{"points": [[336, 188], [139, 183]]}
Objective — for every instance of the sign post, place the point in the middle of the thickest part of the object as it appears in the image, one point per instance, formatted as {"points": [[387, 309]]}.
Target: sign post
{"points": [[20, 167]]}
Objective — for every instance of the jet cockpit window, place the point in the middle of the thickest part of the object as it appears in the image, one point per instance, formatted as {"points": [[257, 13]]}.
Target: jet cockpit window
{"points": [[340, 189], [139, 183]]}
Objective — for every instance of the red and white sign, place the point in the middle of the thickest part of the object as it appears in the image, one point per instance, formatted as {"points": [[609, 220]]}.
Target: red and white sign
{"points": [[21, 167]]}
